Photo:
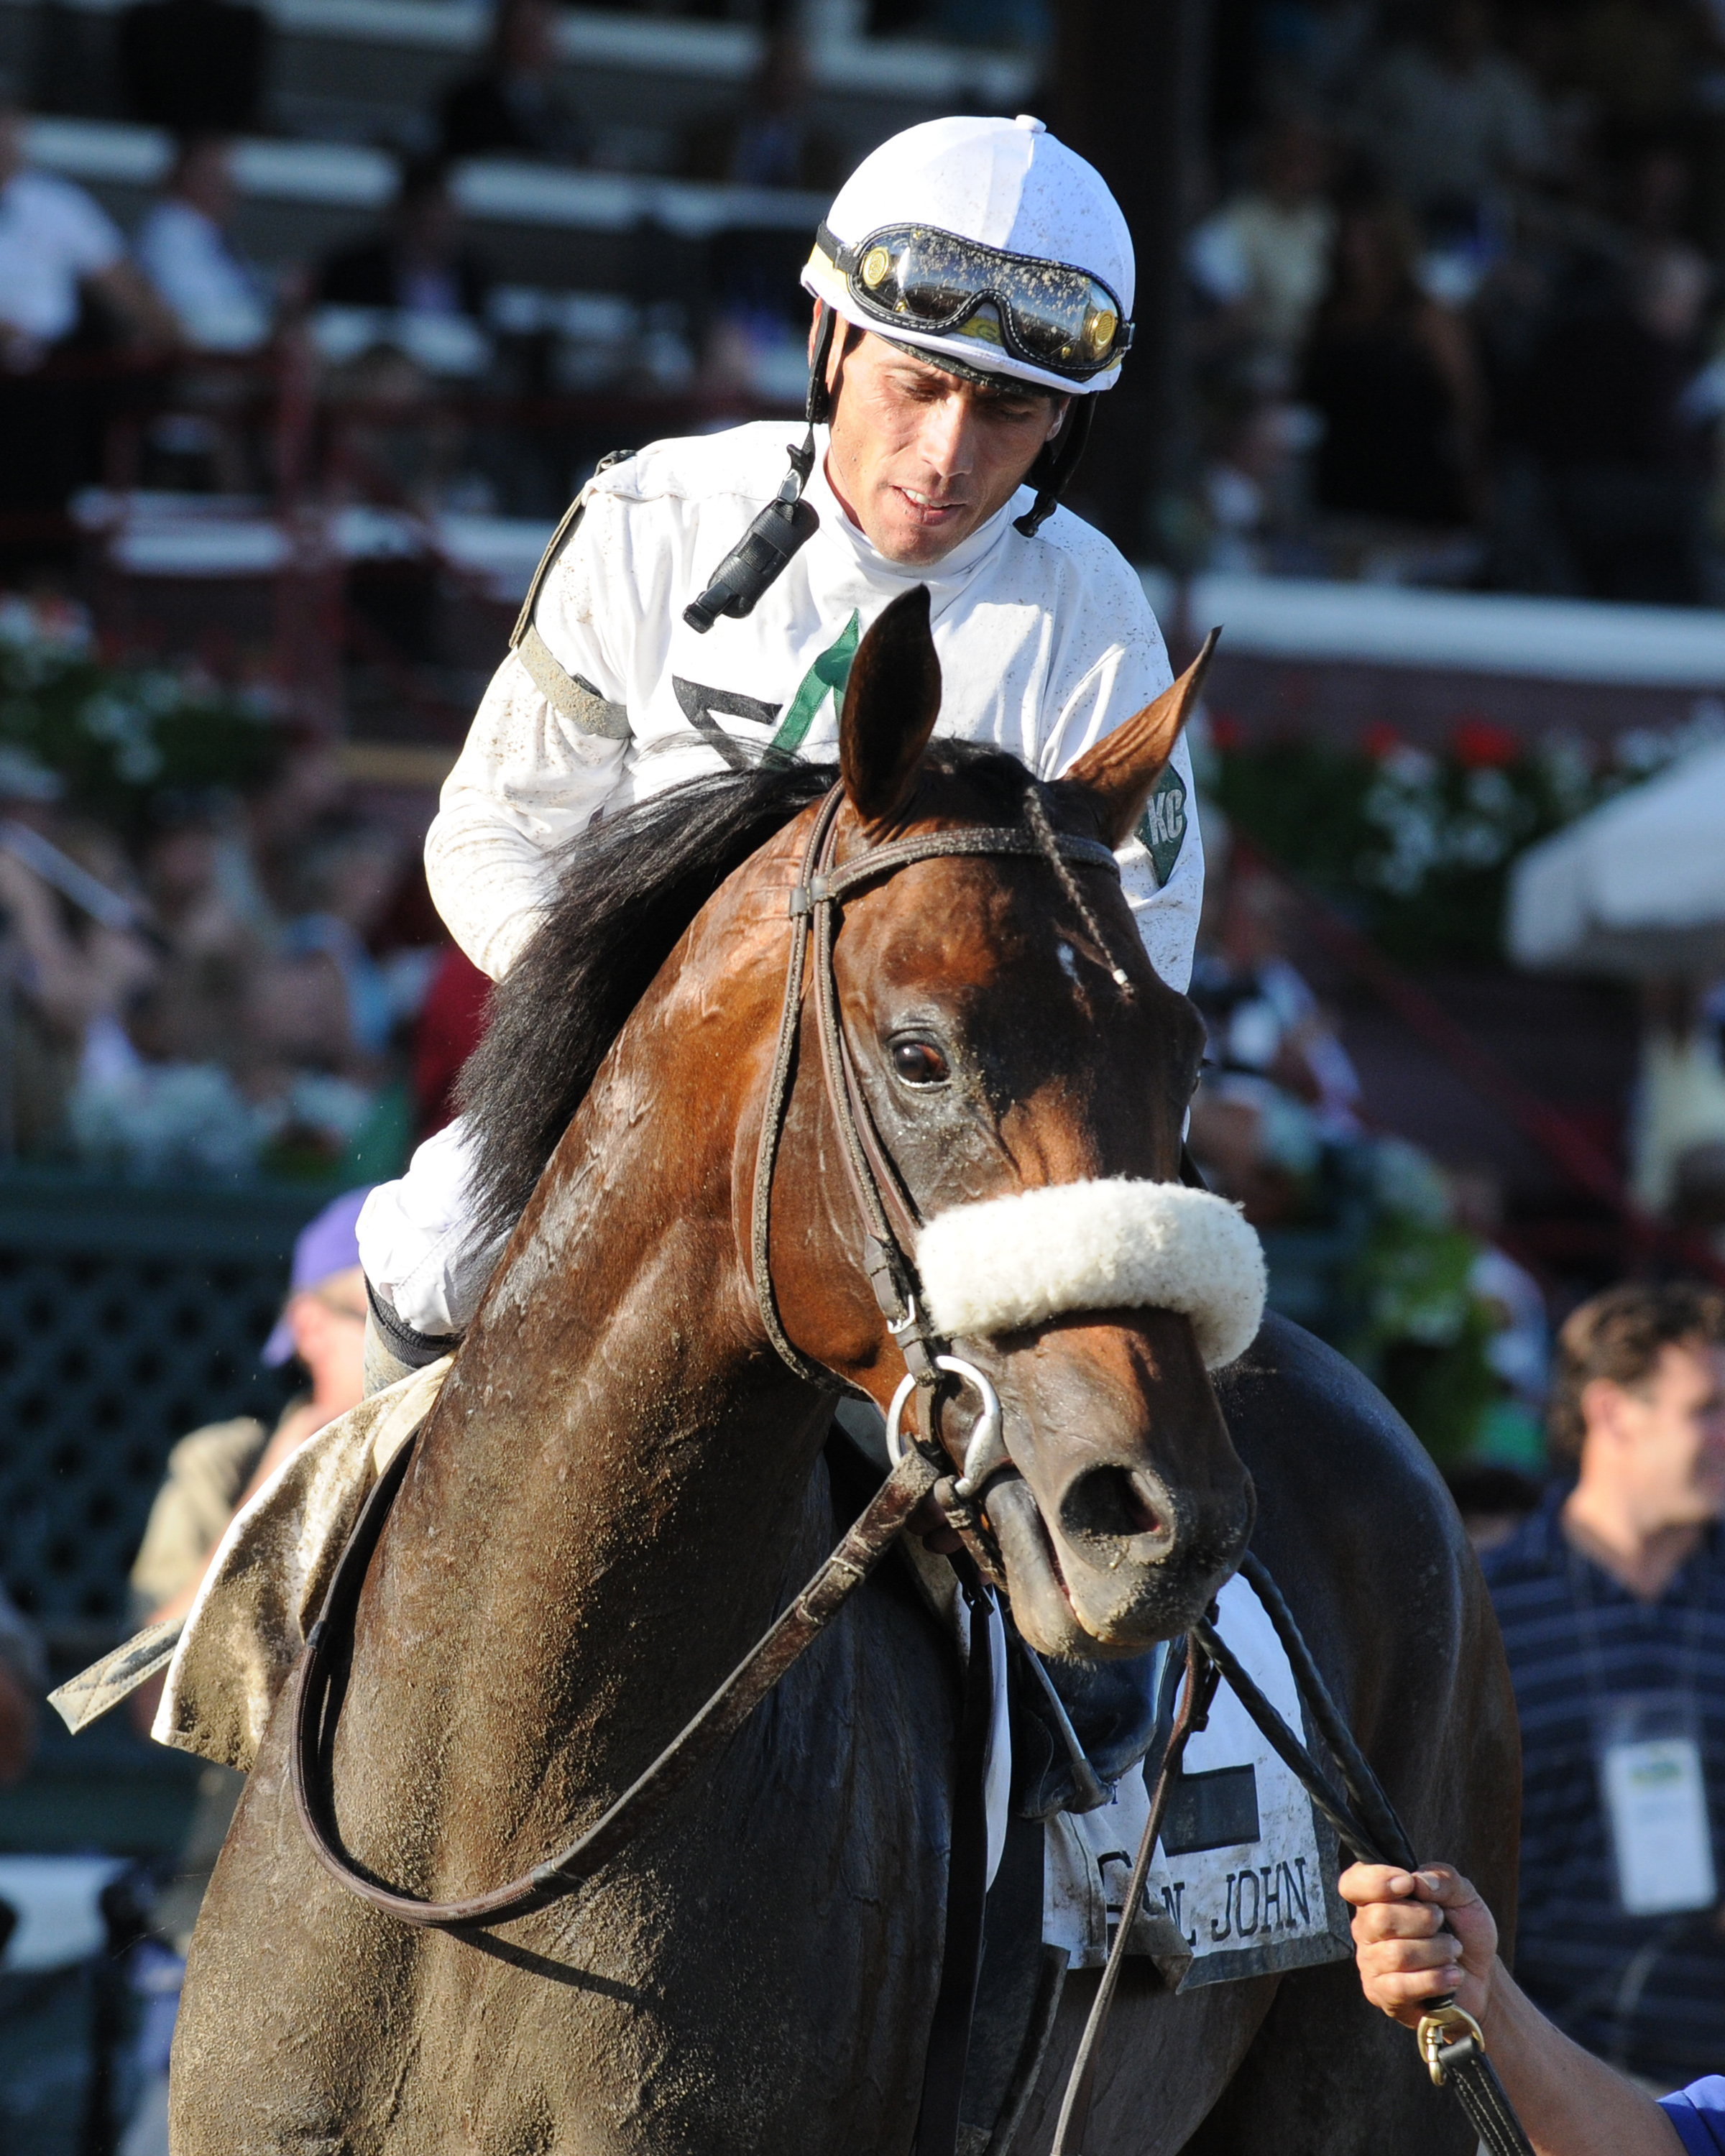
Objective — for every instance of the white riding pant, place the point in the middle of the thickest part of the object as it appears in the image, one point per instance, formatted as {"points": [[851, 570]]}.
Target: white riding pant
{"points": [[413, 1237]]}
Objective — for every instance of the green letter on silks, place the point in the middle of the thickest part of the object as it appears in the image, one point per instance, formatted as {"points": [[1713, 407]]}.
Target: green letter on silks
{"points": [[1162, 825], [826, 678]]}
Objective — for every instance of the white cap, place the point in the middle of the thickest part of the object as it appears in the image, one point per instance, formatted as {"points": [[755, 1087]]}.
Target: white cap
{"points": [[1005, 183]]}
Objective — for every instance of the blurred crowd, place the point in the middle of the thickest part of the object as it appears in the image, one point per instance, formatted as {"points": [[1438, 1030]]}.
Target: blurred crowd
{"points": [[1396, 1259], [223, 981], [95, 323], [1457, 297]]}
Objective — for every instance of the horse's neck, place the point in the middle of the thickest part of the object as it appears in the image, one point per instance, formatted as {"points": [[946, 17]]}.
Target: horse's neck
{"points": [[614, 1496]]}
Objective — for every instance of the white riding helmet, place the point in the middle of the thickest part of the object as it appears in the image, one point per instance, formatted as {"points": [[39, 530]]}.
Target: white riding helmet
{"points": [[988, 244]]}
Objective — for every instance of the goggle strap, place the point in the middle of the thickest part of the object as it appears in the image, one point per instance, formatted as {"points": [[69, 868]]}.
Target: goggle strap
{"points": [[818, 404]]}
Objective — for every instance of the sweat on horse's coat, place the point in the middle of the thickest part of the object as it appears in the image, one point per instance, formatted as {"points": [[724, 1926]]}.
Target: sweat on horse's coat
{"points": [[1118, 1244]]}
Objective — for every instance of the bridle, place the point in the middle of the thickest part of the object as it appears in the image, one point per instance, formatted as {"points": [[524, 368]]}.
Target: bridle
{"points": [[891, 1222]]}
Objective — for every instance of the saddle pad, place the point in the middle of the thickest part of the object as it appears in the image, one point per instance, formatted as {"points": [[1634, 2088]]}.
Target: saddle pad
{"points": [[271, 1571], [1242, 1882]]}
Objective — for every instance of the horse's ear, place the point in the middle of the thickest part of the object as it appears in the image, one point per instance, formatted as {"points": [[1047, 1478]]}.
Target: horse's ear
{"points": [[1120, 771], [891, 702]]}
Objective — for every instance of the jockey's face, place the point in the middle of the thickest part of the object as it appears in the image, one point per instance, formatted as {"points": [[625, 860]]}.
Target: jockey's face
{"points": [[919, 458]]}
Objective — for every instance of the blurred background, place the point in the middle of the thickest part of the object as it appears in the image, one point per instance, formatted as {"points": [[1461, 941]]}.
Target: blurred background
{"points": [[314, 314]]}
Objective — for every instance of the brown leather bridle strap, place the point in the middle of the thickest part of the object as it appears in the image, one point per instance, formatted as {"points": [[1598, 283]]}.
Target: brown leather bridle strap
{"points": [[791, 1633]]}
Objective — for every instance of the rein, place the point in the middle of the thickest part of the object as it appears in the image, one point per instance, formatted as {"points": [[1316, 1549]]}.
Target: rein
{"points": [[317, 1687]]}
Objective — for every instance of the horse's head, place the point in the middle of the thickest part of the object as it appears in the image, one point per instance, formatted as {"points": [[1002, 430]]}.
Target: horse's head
{"points": [[1012, 1042]]}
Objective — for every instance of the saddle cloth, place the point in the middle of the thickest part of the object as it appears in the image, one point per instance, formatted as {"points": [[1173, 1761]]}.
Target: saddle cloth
{"points": [[1242, 1881], [271, 1570]]}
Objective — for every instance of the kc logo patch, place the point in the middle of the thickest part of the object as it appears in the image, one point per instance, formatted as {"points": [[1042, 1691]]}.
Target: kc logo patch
{"points": [[1162, 827]]}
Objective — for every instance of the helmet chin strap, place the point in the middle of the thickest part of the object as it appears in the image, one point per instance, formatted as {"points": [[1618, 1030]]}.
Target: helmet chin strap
{"points": [[786, 523], [1055, 463]]}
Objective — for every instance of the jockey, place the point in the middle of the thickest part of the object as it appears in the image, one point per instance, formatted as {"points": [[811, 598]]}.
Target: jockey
{"points": [[972, 288]]}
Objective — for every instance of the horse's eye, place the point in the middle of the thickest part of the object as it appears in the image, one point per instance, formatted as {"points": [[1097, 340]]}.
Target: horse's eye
{"points": [[920, 1063]]}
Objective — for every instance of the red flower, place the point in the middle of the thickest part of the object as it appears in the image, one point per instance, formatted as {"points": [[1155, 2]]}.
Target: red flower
{"points": [[1481, 745], [1379, 740], [1227, 734]]}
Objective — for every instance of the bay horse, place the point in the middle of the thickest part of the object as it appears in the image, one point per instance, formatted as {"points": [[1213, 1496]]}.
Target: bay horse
{"points": [[622, 1482]]}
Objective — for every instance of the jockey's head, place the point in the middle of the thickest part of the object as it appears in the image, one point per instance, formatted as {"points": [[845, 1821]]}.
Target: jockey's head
{"points": [[979, 278]]}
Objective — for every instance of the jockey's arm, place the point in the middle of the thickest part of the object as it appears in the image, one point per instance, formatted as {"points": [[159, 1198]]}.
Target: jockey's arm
{"points": [[527, 782], [530, 777]]}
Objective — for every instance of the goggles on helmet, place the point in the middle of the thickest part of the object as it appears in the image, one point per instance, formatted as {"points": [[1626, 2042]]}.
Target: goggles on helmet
{"points": [[1045, 314]]}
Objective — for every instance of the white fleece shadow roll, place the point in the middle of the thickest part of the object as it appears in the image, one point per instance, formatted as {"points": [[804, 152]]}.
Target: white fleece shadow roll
{"points": [[1009, 1262]]}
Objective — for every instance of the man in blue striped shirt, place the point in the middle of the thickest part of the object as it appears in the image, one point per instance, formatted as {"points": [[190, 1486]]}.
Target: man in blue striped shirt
{"points": [[1611, 1598]]}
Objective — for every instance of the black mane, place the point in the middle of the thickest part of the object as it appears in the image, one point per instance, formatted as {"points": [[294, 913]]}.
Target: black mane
{"points": [[626, 890]]}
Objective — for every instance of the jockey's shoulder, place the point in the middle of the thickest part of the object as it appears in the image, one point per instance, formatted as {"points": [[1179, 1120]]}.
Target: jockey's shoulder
{"points": [[1080, 547], [747, 461], [1082, 576]]}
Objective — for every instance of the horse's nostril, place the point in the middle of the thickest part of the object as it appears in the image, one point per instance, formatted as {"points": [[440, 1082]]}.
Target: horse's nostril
{"points": [[1115, 1504], [1140, 1508]]}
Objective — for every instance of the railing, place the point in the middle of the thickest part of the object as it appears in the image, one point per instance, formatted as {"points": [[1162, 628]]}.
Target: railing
{"points": [[129, 1315]]}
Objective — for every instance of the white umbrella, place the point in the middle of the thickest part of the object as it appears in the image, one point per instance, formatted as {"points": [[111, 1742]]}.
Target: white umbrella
{"points": [[1637, 887]]}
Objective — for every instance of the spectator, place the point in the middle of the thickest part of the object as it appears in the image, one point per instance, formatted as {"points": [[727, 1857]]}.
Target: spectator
{"points": [[210, 1475], [1393, 374], [512, 106], [775, 142], [1450, 120], [213, 1472], [418, 266], [1263, 260], [72, 978], [183, 247], [57, 247], [196, 67], [1612, 1601], [1626, 456], [1263, 1020], [57, 251]]}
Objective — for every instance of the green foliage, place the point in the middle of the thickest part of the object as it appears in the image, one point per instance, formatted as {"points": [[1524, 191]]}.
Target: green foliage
{"points": [[118, 737], [1426, 1331], [1415, 847]]}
